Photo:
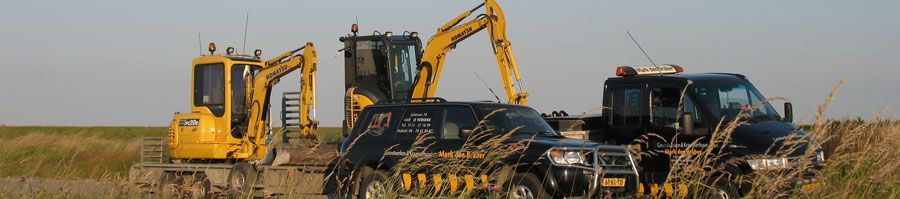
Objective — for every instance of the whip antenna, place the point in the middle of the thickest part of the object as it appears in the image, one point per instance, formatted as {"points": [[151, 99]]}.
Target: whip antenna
{"points": [[488, 87], [639, 47], [246, 21], [200, 44]]}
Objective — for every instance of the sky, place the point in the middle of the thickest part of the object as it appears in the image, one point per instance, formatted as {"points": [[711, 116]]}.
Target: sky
{"points": [[127, 63]]}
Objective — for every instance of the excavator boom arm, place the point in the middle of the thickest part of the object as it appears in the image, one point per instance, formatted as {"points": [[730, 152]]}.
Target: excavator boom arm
{"points": [[265, 79], [451, 33]]}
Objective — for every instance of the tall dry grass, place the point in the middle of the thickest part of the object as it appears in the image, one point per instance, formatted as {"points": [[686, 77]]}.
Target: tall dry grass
{"points": [[862, 160], [84, 153]]}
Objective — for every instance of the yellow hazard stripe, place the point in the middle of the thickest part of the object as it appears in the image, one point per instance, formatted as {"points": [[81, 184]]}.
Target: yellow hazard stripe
{"points": [[437, 180], [470, 182], [422, 180], [668, 190], [407, 181], [454, 182]]}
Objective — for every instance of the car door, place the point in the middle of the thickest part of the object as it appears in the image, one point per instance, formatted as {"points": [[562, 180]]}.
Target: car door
{"points": [[375, 131], [456, 126]]}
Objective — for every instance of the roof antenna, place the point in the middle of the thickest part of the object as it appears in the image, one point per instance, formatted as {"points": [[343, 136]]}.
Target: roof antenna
{"points": [[488, 87], [639, 47], [246, 21], [200, 43]]}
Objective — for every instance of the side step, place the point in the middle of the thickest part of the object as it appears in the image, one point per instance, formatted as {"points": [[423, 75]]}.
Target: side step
{"points": [[152, 149], [290, 116]]}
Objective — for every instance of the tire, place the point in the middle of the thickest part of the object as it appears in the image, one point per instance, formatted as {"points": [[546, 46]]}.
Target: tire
{"points": [[241, 180], [170, 186], [721, 189], [199, 187], [525, 186], [374, 185]]}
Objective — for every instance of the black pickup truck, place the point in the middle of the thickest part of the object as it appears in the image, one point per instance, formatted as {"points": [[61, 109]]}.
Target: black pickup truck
{"points": [[403, 148], [663, 112]]}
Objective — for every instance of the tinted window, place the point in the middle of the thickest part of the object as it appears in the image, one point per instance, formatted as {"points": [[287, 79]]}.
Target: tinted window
{"points": [[239, 88], [626, 106], [503, 119], [664, 107], [457, 118], [418, 120], [725, 100], [370, 60], [209, 87], [403, 69]]}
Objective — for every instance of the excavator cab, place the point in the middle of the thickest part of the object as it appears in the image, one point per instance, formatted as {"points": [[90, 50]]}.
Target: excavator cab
{"points": [[378, 67], [382, 66], [218, 118]]}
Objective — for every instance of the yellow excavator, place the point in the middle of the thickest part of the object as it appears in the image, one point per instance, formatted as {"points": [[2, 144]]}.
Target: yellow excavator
{"points": [[231, 97], [384, 66], [226, 144]]}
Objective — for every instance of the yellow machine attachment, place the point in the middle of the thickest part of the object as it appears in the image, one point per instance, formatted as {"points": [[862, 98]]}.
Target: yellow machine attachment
{"points": [[451, 33], [230, 104]]}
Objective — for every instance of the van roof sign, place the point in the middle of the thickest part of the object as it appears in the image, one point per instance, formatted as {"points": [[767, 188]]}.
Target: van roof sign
{"points": [[628, 71]]}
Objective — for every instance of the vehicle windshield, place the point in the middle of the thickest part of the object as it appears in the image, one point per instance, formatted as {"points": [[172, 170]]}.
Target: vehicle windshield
{"points": [[727, 100], [404, 64], [506, 118]]}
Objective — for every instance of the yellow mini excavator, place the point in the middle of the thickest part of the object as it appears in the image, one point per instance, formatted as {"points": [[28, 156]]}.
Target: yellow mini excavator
{"points": [[230, 102], [384, 66]]}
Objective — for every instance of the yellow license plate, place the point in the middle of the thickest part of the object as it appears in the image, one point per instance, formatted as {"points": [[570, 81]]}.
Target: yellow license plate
{"points": [[613, 182], [809, 187]]}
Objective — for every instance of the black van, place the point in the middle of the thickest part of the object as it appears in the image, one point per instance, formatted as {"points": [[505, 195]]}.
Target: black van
{"points": [[389, 134]]}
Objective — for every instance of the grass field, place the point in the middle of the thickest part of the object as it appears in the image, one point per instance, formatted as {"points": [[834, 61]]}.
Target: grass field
{"points": [[863, 155], [65, 152]]}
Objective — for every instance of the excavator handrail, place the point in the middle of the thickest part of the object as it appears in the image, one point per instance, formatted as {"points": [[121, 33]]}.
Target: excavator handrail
{"points": [[408, 100]]}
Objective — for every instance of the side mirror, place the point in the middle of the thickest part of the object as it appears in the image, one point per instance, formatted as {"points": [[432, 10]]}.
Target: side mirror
{"points": [[687, 123], [465, 132], [788, 112]]}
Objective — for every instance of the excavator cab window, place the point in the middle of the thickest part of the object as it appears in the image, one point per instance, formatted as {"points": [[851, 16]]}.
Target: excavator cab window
{"points": [[370, 60], [209, 87], [239, 90], [404, 61]]}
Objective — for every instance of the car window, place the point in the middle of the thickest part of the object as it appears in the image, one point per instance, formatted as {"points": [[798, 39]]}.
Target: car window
{"points": [[456, 119], [418, 120], [664, 107], [626, 106]]}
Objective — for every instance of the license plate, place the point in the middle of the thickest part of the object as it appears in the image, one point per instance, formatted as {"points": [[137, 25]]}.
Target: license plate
{"points": [[613, 182], [809, 187]]}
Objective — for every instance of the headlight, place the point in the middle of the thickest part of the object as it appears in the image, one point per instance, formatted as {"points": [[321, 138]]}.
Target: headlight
{"points": [[563, 157], [767, 164]]}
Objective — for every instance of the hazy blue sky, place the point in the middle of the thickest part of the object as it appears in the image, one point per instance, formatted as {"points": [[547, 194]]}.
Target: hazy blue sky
{"points": [[127, 62]]}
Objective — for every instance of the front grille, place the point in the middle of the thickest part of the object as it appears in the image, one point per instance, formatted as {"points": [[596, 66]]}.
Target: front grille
{"points": [[614, 160]]}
